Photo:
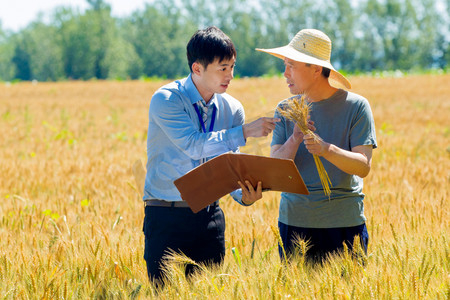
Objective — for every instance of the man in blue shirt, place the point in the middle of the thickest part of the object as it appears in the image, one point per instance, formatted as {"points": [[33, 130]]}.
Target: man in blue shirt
{"points": [[190, 121], [345, 136]]}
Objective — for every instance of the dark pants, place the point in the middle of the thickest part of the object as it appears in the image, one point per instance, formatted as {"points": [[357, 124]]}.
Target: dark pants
{"points": [[321, 241], [199, 236]]}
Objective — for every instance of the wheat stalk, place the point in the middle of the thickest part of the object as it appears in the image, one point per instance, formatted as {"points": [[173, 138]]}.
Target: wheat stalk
{"points": [[298, 110]]}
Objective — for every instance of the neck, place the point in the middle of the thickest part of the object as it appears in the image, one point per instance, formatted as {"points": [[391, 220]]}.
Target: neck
{"points": [[206, 95], [320, 91]]}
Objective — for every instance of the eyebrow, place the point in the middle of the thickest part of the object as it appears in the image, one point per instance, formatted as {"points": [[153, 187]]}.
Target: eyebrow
{"points": [[226, 65]]}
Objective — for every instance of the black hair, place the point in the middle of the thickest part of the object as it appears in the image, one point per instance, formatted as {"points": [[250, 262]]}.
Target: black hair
{"points": [[207, 45], [325, 71]]}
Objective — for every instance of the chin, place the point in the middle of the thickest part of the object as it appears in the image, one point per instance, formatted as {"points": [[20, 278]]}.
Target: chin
{"points": [[294, 91]]}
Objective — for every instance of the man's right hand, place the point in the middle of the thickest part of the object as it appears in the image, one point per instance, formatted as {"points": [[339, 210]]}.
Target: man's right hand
{"points": [[261, 127], [297, 135]]}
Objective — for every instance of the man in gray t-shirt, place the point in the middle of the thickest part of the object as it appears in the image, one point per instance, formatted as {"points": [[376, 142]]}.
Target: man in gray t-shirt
{"points": [[345, 128]]}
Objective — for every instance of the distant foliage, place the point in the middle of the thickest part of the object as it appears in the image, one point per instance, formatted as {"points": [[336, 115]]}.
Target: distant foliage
{"points": [[367, 35]]}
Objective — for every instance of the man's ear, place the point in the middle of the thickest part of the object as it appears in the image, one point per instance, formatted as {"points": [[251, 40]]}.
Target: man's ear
{"points": [[197, 68], [317, 70]]}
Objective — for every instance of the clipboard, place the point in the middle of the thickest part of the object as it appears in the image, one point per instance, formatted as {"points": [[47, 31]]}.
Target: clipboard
{"points": [[218, 177]]}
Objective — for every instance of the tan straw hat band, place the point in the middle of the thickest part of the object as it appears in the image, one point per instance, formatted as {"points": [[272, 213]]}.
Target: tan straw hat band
{"points": [[313, 44]]}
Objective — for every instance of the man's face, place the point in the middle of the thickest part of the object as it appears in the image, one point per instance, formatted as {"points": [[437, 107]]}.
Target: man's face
{"points": [[216, 77], [299, 76]]}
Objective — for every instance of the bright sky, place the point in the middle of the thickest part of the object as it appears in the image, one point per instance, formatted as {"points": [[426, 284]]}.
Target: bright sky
{"points": [[17, 14]]}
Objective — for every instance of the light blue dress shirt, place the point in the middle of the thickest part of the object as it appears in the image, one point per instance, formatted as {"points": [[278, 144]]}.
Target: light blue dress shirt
{"points": [[176, 142]]}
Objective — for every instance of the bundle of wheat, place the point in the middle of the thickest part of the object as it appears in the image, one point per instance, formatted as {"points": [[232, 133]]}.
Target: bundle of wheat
{"points": [[297, 110]]}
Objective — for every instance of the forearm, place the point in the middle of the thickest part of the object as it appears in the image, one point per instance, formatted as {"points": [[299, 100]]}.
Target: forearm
{"points": [[287, 150], [198, 145], [214, 143], [351, 162]]}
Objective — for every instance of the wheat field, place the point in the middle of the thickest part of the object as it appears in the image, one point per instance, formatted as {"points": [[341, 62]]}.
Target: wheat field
{"points": [[71, 216]]}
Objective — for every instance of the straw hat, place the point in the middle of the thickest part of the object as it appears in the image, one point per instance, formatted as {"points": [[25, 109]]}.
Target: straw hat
{"points": [[311, 46]]}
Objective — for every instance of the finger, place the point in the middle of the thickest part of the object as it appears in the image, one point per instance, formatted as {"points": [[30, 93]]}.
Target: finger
{"points": [[249, 186], [306, 139], [309, 136], [271, 120], [311, 126], [268, 130], [309, 141], [259, 188], [309, 145], [271, 126], [243, 188], [276, 120]]}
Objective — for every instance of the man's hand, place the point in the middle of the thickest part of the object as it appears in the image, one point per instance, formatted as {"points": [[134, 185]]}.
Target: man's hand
{"points": [[297, 135], [355, 162], [261, 127], [289, 148], [316, 145], [249, 195]]}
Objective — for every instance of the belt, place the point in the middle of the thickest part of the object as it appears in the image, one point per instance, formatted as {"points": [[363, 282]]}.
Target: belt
{"points": [[162, 203]]}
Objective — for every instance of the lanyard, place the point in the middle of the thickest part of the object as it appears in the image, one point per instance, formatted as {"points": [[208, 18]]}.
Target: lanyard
{"points": [[213, 118]]}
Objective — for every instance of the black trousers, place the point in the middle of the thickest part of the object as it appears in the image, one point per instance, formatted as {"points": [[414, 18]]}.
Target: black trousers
{"points": [[199, 236], [322, 241]]}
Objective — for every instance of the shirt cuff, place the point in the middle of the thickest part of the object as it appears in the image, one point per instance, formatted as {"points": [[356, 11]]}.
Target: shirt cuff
{"points": [[235, 137], [237, 196]]}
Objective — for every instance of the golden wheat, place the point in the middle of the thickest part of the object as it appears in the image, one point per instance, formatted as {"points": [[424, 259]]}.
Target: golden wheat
{"points": [[67, 149]]}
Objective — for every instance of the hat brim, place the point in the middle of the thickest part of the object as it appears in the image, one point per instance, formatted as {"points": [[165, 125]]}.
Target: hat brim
{"points": [[336, 79]]}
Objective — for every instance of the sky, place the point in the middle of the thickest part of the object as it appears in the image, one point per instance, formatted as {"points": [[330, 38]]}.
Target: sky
{"points": [[17, 14]]}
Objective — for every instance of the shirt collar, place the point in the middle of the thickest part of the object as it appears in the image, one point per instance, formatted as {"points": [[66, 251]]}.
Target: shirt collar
{"points": [[193, 93]]}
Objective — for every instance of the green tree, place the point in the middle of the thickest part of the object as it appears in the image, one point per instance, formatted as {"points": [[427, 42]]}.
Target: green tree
{"points": [[366, 35], [22, 60], [121, 60], [7, 68], [76, 43], [395, 23], [42, 52], [247, 36], [85, 40], [344, 33], [428, 44], [99, 5], [160, 38]]}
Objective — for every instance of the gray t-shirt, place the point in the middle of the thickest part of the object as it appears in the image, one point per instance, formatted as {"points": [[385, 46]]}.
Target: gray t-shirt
{"points": [[345, 120]]}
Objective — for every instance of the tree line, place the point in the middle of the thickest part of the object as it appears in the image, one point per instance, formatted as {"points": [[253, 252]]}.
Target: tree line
{"points": [[367, 35]]}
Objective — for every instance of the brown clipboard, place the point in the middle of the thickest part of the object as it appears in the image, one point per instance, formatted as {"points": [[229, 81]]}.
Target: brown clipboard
{"points": [[219, 176]]}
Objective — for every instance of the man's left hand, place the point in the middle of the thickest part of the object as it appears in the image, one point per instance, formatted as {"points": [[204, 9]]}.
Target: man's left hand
{"points": [[249, 194], [315, 145]]}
